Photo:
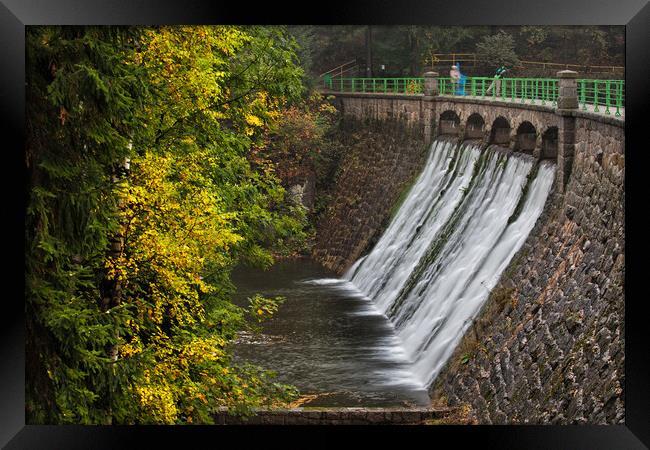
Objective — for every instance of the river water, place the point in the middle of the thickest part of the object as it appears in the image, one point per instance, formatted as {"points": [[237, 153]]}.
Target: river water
{"points": [[326, 338]]}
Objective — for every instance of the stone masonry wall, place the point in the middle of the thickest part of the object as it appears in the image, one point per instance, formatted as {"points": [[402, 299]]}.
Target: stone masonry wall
{"points": [[382, 157], [540, 116], [407, 108], [548, 345]]}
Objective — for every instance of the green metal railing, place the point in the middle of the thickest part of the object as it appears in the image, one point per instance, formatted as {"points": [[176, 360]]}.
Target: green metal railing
{"points": [[603, 95], [543, 91], [606, 96], [376, 85]]}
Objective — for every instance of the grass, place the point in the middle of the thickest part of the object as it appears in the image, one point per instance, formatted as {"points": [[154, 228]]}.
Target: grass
{"points": [[461, 415]]}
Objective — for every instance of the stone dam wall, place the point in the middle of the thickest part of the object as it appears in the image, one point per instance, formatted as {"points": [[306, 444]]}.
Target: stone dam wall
{"points": [[548, 346], [384, 154]]}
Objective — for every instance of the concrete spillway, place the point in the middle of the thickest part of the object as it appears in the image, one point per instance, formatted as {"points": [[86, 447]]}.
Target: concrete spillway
{"points": [[462, 222]]}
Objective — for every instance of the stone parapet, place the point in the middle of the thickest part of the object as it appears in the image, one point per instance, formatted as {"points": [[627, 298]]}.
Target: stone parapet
{"points": [[567, 90], [430, 84]]}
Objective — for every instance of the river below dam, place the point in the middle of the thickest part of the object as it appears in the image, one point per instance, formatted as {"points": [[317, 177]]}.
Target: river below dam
{"points": [[326, 339]]}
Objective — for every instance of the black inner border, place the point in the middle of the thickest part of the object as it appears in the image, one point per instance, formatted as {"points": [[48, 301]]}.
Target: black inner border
{"points": [[15, 14]]}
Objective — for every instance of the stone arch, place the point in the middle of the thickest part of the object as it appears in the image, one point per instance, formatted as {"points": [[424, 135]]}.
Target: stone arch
{"points": [[500, 132], [526, 138], [449, 123], [549, 144], [475, 127]]}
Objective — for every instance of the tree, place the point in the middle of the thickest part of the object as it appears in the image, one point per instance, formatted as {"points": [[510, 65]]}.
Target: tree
{"points": [[497, 50], [81, 109], [128, 305], [305, 38]]}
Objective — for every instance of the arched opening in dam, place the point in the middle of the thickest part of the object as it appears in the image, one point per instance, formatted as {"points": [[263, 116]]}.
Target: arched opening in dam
{"points": [[475, 128], [549, 144], [449, 123], [526, 138], [500, 132]]}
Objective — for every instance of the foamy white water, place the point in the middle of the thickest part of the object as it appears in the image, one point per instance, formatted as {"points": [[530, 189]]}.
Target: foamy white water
{"points": [[445, 249]]}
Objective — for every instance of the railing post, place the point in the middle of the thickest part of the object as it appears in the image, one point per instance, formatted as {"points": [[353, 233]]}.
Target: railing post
{"points": [[619, 98], [429, 104], [431, 84], [568, 95], [567, 105]]}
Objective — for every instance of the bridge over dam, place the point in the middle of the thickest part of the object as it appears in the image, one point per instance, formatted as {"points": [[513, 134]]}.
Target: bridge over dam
{"points": [[547, 344], [543, 121]]}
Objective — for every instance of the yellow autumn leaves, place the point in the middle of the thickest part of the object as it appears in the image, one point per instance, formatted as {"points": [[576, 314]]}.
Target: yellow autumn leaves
{"points": [[170, 229], [190, 207], [191, 62]]}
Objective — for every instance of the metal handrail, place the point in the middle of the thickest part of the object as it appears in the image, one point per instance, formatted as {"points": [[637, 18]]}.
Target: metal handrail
{"points": [[609, 94], [606, 96], [338, 68], [405, 85], [471, 57], [345, 71]]}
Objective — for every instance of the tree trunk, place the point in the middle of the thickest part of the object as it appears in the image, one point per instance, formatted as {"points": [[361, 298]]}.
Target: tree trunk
{"points": [[413, 50], [369, 51], [111, 289]]}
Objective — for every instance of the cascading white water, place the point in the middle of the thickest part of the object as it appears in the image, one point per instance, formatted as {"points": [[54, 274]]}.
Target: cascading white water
{"points": [[459, 227]]}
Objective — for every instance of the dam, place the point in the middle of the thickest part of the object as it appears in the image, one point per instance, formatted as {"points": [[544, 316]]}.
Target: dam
{"points": [[485, 238]]}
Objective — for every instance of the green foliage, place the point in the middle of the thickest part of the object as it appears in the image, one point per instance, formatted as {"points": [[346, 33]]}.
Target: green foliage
{"points": [[262, 308], [446, 39], [77, 134], [409, 50], [302, 145], [142, 198], [534, 35], [305, 38], [497, 50]]}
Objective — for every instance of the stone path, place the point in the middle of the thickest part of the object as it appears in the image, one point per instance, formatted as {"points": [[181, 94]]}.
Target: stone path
{"points": [[335, 416]]}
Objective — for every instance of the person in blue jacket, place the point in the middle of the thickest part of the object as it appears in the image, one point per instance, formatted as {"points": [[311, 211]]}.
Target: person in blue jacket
{"points": [[458, 79]]}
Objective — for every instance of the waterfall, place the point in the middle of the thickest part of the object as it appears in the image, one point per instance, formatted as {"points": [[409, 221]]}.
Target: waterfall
{"points": [[463, 220]]}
